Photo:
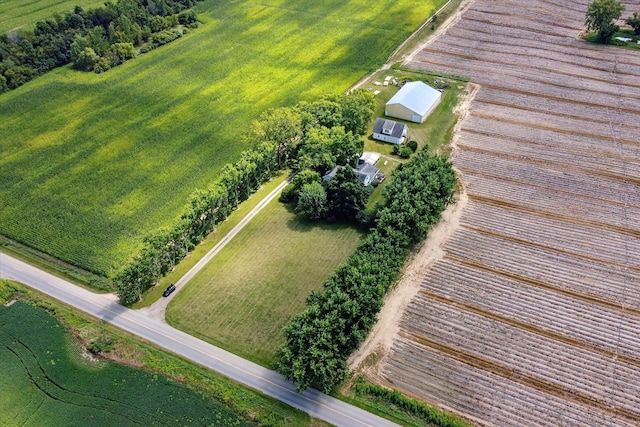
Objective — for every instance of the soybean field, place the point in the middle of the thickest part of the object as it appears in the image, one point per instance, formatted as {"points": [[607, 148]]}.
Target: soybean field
{"points": [[46, 380]]}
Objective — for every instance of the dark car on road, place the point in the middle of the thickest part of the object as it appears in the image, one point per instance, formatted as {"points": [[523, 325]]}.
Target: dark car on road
{"points": [[169, 289]]}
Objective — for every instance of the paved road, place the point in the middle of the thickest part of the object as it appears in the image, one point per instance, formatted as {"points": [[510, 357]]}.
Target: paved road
{"points": [[268, 382], [157, 309]]}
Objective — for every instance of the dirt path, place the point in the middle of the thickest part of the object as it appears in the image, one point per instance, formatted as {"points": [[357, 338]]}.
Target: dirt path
{"points": [[386, 329]]}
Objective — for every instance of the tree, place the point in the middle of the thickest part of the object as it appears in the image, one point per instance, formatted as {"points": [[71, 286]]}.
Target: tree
{"points": [[316, 150], [282, 127], [634, 22], [346, 196], [601, 16], [87, 59], [312, 201], [302, 178]]}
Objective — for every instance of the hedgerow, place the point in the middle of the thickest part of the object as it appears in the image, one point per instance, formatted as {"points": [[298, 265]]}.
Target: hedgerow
{"points": [[413, 407]]}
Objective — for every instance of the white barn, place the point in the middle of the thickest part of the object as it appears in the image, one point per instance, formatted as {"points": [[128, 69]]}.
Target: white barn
{"points": [[413, 102]]}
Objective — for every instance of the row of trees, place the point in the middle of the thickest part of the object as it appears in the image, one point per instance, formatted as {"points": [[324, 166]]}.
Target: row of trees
{"points": [[279, 136], [95, 39], [319, 340], [602, 16]]}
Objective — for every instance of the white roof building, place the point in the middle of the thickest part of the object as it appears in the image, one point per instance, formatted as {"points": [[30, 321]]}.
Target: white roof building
{"points": [[413, 102]]}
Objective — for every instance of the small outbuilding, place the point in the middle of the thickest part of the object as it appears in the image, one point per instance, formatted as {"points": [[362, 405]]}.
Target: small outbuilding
{"points": [[390, 131], [370, 157], [413, 102]]}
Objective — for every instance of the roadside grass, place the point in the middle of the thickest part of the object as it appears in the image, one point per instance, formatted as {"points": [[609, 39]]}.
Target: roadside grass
{"points": [[155, 293], [93, 162], [242, 299], [191, 389], [397, 407], [19, 14], [436, 131]]}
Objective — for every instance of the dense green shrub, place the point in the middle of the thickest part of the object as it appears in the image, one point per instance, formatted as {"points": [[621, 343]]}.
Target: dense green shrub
{"points": [[405, 152]]}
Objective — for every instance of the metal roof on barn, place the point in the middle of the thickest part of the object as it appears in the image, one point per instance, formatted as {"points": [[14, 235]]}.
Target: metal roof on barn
{"points": [[416, 96]]}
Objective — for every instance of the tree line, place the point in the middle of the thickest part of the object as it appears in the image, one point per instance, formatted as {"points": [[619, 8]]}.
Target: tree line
{"points": [[602, 16], [336, 320], [94, 40], [280, 138]]}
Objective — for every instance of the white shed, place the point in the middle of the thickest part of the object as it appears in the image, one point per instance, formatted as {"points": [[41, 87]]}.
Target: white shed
{"points": [[413, 102]]}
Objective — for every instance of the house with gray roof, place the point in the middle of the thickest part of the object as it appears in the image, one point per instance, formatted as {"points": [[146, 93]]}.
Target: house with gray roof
{"points": [[366, 173], [390, 131]]}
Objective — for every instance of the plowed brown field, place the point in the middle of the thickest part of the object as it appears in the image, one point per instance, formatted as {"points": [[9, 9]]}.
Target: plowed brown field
{"points": [[532, 317]]}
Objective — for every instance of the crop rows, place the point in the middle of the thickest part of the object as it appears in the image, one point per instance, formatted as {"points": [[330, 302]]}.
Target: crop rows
{"points": [[504, 137], [556, 234], [607, 329], [491, 398], [596, 112], [602, 165], [475, 336], [589, 211], [571, 274], [562, 52], [531, 317], [539, 175]]}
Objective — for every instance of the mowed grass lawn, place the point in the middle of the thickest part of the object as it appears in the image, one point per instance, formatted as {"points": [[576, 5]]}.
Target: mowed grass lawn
{"points": [[20, 14], [46, 381], [242, 299], [89, 164]]}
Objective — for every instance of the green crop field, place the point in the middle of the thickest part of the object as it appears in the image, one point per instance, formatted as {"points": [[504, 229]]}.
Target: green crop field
{"points": [[91, 163], [241, 300], [20, 14], [46, 381]]}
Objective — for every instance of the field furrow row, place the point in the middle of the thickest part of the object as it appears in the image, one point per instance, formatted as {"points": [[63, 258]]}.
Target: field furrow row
{"points": [[603, 328], [539, 63], [610, 166], [537, 119], [553, 176], [571, 368], [596, 113], [489, 134], [532, 262], [488, 396], [539, 230], [581, 210], [463, 34]]}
